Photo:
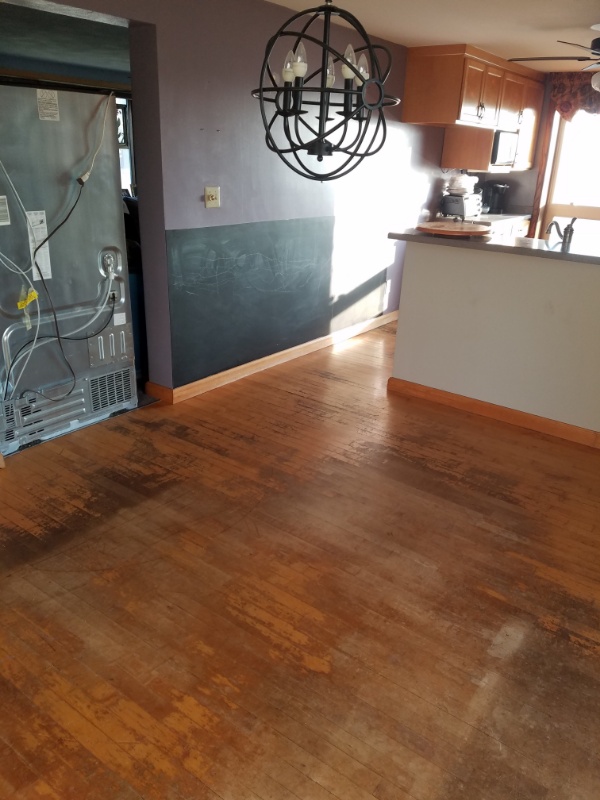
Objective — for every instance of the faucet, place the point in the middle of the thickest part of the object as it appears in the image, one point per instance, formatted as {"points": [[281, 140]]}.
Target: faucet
{"points": [[566, 235]]}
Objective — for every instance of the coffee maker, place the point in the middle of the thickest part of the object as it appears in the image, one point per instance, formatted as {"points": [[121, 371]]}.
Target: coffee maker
{"points": [[493, 200]]}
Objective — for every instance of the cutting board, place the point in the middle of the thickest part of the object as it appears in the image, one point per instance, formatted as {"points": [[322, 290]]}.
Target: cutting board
{"points": [[451, 228]]}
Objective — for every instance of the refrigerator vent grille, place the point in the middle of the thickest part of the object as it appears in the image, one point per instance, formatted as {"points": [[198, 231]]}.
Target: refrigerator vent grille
{"points": [[4, 215], [109, 390], [9, 417]]}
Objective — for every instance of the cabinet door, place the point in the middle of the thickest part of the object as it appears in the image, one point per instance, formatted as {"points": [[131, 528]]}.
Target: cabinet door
{"points": [[467, 147], [531, 112], [472, 90], [511, 104], [490, 95]]}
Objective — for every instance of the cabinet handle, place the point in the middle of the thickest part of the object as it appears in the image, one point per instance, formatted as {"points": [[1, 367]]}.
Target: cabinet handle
{"points": [[520, 118], [481, 111]]}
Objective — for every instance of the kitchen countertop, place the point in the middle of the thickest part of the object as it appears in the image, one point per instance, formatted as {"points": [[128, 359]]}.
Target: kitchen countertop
{"points": [[582, 249]]}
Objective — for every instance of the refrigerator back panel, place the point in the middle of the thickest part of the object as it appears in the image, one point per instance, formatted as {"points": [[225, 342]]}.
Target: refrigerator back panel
{"points": [[48, 141]]}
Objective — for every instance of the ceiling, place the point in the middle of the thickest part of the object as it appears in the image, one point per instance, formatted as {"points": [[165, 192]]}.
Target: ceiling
{"points": [[34, 39], [508, 28]]}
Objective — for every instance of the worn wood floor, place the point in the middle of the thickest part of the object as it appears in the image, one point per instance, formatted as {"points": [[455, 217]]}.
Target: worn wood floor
{"points": [[299, 588]]}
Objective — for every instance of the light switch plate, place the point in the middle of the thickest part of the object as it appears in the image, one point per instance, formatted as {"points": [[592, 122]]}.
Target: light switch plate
{"points": [[212, 196]]}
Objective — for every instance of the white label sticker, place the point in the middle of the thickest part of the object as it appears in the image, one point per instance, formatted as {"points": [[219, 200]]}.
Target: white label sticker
{"points": [[47, 100], [38, 230], [4, 213], [120, 319]]}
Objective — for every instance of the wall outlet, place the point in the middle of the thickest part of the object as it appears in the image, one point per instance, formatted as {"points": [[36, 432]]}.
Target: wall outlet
{"points": [[212, 196]]}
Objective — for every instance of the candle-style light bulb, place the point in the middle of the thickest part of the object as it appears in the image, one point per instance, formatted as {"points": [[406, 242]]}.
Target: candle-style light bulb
{"points": [[349, 56], [300, 64], [363, 68], [330, 72], [288, 71]]}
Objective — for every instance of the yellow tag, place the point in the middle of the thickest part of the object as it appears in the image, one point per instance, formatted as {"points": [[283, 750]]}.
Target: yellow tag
{"points": [[31, 296]]}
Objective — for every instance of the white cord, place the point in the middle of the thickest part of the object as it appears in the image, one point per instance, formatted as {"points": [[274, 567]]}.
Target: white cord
{"points": [[10, 265], [21, 206], [64, 335], [83, 178]]}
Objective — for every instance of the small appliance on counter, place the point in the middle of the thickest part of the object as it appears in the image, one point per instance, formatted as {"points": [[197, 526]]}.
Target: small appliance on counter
{"points": [[460, 199], [494, 197], [461, 205]]}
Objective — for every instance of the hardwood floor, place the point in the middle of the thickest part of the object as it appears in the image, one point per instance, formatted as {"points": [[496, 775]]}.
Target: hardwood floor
{"points": [[299, 587]]}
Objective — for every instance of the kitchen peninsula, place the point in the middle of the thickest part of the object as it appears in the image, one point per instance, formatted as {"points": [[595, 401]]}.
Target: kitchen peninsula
{"points": [[507, 329]]}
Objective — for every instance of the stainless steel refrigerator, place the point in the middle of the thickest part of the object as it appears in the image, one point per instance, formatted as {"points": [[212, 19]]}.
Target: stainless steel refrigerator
{"points": [[66, 356]]}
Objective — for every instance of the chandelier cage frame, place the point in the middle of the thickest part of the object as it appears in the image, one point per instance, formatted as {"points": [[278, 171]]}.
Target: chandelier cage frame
{"points": [[284, 107]]}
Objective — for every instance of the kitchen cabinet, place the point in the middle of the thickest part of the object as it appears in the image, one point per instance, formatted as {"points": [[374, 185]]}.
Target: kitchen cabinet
{"points": [[467, 147], [480, 93], [470, 147], [531, 112], [471, 93], [511, 103], [520, 109], [505, 227], [449, 84]]}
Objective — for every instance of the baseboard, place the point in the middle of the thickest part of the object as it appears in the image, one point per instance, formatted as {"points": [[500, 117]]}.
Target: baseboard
{"points": [[522, 419], [181, 393]]}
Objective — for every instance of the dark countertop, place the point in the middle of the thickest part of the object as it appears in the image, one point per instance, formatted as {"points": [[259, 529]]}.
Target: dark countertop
{"points": [[582, 249]]}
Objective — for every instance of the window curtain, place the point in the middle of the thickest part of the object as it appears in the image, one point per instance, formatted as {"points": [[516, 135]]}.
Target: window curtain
{"points": [[572, 92]]}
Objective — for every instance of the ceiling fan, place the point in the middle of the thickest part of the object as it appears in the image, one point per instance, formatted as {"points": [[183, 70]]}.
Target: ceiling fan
{"points": [[593, 49]]}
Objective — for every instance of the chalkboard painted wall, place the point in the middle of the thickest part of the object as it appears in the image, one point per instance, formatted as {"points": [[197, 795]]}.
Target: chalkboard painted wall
{"points": [[242, 292]]}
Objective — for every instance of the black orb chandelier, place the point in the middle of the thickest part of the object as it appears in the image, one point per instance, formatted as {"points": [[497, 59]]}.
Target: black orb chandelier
{"points": [[307, 117]]}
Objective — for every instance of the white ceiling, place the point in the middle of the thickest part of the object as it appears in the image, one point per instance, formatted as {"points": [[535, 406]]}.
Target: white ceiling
{"points": [[507, 28]]}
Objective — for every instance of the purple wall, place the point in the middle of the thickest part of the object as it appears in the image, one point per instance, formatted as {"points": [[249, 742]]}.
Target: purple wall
{"points": [[194, 65]]}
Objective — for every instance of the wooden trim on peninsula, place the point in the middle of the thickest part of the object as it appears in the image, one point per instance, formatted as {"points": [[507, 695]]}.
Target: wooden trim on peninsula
{"points": [[522, 419], [189, 390]]}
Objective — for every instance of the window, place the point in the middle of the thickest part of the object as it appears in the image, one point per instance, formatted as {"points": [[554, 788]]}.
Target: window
{"points": [[125, 146], [574, 188]]}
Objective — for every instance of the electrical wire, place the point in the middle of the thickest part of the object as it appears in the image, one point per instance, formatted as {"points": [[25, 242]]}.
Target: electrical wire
{"points": [[17, 270], [42, 340], [83, 178], [81, 181], [52, 308], [12, 267], [47, 339]]}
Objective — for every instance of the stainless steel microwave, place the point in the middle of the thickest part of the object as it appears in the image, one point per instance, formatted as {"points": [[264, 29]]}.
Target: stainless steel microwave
{"points": [[504, 148]]}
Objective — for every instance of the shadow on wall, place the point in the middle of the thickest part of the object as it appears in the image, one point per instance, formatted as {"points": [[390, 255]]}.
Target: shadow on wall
{"points": [[242, 292]]}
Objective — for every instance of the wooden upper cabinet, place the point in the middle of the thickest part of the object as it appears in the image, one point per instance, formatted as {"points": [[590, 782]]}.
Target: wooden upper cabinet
{"points": [[467, 147], [480, 95], [531, 112], [446, 84], [471, 97], [490, 98], [471, 93], [511, 104]]}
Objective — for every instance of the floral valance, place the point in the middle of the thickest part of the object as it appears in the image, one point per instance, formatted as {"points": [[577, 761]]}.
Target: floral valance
{"points": [[572, 92]]}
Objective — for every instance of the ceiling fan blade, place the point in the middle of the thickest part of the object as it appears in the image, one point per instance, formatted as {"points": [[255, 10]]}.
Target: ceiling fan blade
{"points": [[583, 47], [554, 58]]}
